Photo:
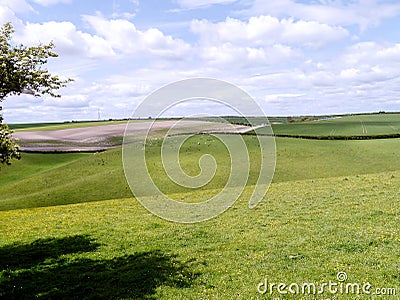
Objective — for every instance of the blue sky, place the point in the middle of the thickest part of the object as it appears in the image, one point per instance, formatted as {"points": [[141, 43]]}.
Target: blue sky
{"points": [[293, 57]]}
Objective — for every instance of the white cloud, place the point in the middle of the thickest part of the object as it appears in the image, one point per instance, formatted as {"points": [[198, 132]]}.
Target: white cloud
{"points": [[131, 5], [236, 57], [370, 62], [227, 54], [119, 86], [372, 53], [267, 30], [364, 13], [278, 97], [9, 10], [191, 4], [7, 15], [311, 33], [17, 6], [390, 54], [124, 37], [51, 2], [123, 15], [68, 40], [369, 75], [67, 101]]}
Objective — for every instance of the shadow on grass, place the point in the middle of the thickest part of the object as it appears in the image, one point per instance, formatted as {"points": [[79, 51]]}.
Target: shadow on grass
{"points": [[38, 271], [17, 256]]}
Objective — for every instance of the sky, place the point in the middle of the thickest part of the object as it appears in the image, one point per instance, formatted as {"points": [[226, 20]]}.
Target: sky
{"points": [[294, 57]]}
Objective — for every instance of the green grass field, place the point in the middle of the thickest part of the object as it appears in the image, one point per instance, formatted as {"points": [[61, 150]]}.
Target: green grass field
{"points": [[34, 164], [304, 231], [344, 126], [70, 228], [296, 160]]}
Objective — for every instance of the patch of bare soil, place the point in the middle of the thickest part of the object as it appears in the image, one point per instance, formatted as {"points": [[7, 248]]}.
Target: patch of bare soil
{"points": [[98, 138]]}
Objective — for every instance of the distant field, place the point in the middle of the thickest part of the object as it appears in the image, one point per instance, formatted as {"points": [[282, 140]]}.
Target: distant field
{"points": [[102, 137], [57, 126], [246, 121], [350, 125], [358, 125], [67, 125]]}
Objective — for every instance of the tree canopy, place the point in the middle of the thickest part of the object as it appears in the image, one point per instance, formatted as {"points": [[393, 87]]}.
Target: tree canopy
{"points": [[22, 72]]}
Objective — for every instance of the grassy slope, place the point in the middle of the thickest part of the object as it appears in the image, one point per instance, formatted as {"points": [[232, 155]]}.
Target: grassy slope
{"points": [[305, 231], [33, 164], [100, 176], [97, 177], [348, 125]]}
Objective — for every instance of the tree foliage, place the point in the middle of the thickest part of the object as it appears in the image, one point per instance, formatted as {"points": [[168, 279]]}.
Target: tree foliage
{"points": [[8, 148], [22, 72]]}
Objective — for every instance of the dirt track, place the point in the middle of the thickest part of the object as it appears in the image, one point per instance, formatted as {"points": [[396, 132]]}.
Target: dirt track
{"points": [[96, 138]]}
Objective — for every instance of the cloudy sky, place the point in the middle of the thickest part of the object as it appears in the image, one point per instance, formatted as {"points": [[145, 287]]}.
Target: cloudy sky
{"points": [[292, 56]]}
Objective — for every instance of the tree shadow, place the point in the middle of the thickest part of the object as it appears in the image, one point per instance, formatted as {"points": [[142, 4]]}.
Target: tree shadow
{"points": [[24, 256], [37, 271]]}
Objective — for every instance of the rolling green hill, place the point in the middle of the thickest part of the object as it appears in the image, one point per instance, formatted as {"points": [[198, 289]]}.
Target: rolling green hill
{"points": [[101, 177], [33, 164]]}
